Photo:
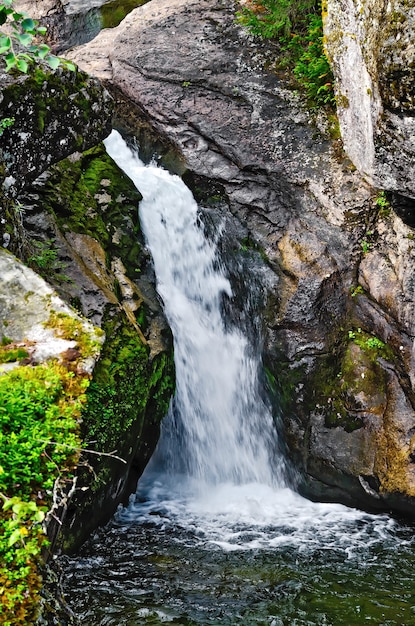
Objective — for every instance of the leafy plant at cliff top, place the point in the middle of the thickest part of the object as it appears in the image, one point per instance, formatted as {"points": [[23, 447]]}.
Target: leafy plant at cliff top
{"points": [[18, 44], [298, 28]]}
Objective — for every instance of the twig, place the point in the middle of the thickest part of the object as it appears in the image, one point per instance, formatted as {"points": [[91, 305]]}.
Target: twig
{"points": [[65, 445]]}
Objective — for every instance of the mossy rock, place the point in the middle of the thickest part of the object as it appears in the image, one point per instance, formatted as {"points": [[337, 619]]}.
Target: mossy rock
{"points": [[89, 194], [350, 382], [89, 199], [126, 402]]}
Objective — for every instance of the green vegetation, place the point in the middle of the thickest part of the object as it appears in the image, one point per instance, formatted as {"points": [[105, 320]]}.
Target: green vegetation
{"points": [[39, 411], [18, 45], [124, 382], [6, 122], [297, 27], [383, 204], [355, 291], [369, 342], [90, 196], [44, 260], [367, 242], [350, 380]]}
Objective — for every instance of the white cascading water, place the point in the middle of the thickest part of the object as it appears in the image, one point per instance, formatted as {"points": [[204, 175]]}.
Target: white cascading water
{"points": [[213, 536], [221, 429], [216, 467]]}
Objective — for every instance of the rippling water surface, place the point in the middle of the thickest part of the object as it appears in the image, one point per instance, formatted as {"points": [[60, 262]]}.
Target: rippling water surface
{"points": [[186, 553]]}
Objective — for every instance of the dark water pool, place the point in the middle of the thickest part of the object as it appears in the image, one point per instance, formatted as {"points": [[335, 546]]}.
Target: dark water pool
{"points": [[243, 555]]}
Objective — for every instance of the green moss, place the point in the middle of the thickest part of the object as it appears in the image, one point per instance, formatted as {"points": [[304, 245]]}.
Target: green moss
{"points": [[282, 380], [39, 409], [342, 101], [10, 354], [125, 381], [93, 196], [71, 328]]}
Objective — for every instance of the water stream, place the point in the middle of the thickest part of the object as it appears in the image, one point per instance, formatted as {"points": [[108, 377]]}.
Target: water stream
{"points": [[214, 534]]}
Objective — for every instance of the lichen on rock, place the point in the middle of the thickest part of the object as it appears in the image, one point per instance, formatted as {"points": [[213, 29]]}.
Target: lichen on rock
{"points": [[55, 114]]}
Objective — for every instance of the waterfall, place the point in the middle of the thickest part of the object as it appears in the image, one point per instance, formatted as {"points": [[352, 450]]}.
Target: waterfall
{"points": [[219, 428], [216, 467], [213, 536]]}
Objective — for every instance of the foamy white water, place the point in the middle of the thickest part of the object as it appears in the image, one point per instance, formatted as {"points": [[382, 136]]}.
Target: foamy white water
{"points": [[216, 473]]}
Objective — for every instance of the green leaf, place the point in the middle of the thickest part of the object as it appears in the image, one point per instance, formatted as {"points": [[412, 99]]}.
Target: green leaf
{"points": [[28, 24], [17, 16], [10, 61], [22, 65], [41, 30], [14, 537], [70, 66], [3, 15], [25, 39], [42, 51], [5, 44], [52, 61]]}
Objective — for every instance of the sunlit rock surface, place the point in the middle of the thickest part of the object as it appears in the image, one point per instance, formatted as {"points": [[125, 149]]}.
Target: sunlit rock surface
{"points": [[26, 305], [370, 46]]}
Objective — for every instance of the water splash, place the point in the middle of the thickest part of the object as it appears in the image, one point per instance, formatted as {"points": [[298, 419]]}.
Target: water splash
{"points": [[217, 469]]}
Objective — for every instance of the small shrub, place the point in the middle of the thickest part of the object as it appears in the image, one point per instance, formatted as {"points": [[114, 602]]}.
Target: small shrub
{"points": [[298, 28]]}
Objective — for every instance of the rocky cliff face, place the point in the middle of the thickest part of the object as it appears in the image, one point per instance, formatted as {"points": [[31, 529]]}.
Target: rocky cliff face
{"points": [[370, 46], [336, 258], [82, 213]]}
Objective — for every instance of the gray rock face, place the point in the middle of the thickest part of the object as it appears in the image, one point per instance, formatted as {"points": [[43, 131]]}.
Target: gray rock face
{"points": [[26, 305], [370, 46], [54, 114], [336, 263]]}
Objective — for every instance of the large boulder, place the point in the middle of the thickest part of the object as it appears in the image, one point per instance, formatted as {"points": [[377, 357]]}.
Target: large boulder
{"points": [[370, 46], [54, 114], [330, 253]]}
